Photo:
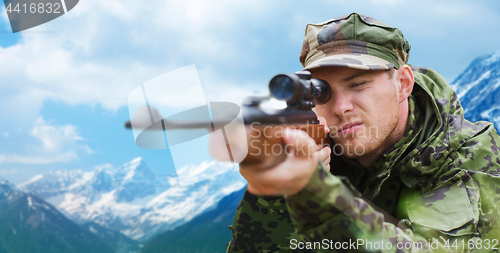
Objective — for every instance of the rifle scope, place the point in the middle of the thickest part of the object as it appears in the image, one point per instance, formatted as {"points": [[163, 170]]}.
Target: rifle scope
{"points": [[300, 89]]}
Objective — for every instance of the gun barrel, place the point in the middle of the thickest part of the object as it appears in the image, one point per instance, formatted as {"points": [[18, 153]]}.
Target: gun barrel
{"points": [[175, 125]]}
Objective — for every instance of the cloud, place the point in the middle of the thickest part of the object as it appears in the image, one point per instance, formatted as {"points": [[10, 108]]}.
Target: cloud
{"points": [[58, 144], [388, 2], [64, 157], [103, 166], [98, 57], [54, 138], [11, 171]]}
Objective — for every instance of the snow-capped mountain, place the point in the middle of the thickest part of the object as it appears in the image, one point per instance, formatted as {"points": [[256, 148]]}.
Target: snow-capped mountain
{"points": [[133, 199], [478, 88], [207, 232]]}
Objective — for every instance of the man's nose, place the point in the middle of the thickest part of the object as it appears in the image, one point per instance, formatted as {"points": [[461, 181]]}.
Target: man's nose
{"points": [[342, 104]]}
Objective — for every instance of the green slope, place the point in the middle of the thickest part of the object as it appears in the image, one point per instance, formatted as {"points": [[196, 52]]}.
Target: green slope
{"points": [[29, 224], [208, 232]]}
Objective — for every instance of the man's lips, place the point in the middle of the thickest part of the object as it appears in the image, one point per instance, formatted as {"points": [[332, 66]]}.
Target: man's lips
{"points": [[350, 127]]}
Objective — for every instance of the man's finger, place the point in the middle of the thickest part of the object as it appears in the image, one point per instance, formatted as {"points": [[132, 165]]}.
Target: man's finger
{"points": [[322, 121], [324, 154], [298, 143]]}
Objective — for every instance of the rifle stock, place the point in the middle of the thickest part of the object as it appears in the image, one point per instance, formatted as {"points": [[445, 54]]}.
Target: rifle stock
{"points": [[266, 144]]}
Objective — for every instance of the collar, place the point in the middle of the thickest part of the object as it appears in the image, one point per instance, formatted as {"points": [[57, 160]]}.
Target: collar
{"points": [[386, 164]]}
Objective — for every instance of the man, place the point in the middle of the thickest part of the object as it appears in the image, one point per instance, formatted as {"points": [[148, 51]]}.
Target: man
{"points": [[408, 173]]}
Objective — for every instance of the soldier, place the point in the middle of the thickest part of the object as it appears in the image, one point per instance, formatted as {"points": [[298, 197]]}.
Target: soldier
{"points": [[407, 172]]}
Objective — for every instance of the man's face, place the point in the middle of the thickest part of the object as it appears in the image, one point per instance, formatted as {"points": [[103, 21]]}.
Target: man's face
{"points": [[363, 112]]}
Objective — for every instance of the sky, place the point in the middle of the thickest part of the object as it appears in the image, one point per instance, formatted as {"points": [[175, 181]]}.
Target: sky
{"points": [[64, 85]]}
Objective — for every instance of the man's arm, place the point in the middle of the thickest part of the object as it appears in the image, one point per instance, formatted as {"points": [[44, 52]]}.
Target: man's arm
{"points": [[324, 208]]}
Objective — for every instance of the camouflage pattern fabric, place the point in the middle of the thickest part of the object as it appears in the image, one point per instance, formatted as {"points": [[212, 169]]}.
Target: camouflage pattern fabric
{"points": [[441, 182], [355, 41], [262, 224]]}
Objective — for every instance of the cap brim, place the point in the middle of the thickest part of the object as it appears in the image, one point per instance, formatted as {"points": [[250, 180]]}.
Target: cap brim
{"points": [[357, 61]]}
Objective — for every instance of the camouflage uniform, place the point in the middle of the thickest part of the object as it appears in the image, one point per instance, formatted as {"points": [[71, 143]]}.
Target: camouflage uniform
{"points": [[440, 181]]}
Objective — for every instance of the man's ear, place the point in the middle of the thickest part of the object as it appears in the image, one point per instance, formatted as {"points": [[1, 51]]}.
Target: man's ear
{"points": [[406, 79]]}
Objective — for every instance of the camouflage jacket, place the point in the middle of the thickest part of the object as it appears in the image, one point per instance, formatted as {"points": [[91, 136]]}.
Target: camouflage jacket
{"points": [[440, 183]]}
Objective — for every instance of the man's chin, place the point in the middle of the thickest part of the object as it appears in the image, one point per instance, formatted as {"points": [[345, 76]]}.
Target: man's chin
{"points": [[350, 156], [349, 148]]}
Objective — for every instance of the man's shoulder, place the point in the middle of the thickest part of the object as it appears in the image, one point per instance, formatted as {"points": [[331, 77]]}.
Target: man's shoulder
{"points": [[447, 141], [433, 84]]}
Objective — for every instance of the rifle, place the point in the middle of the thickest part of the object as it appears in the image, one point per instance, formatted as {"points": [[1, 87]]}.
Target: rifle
{"points": [[261, 139]]}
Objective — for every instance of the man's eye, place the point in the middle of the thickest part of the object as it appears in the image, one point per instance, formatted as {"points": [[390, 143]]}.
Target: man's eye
{"points": [[354, 85]]}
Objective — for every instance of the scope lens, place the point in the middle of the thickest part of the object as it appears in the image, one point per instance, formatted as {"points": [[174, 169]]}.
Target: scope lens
{"points": [[282, 87]]}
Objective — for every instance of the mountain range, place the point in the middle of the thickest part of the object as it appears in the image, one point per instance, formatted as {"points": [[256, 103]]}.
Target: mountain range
{"points": [[132, 199], [30, 224], [478, 88]]}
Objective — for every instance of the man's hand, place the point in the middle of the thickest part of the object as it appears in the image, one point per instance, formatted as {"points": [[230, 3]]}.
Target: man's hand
{"points": [[293, 174], [325, 151]]}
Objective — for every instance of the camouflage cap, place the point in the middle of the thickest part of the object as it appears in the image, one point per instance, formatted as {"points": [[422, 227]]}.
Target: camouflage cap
{"points": [[355, 41]]}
